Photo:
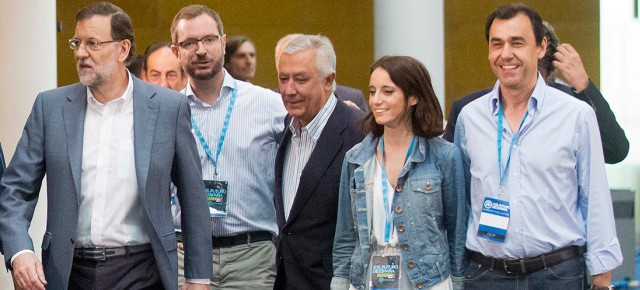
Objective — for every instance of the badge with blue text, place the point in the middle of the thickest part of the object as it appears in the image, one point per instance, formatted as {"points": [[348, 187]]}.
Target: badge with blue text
{"points": [[216, 191], [494, 219]]}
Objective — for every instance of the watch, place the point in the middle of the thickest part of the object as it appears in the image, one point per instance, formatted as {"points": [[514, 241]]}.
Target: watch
{"points": [[597, 287]]}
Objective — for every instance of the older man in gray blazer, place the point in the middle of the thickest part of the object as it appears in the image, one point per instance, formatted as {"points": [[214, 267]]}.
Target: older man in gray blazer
{"points": [[110, 146]]}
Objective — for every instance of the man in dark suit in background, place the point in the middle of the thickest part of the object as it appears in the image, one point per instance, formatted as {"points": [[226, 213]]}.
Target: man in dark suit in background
{"points": [[567, 60], [110, 146], [319, 131]]}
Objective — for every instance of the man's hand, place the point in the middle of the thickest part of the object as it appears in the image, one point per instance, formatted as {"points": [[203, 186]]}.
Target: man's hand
{"points": [[193, 286], [351, 104], [567, 62], [27, 272], [603, 279]]}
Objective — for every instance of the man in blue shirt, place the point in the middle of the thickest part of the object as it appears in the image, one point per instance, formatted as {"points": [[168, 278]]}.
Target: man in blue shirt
{"points": [[540, 203]]}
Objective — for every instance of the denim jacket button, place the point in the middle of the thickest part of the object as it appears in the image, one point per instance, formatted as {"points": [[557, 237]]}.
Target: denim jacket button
{"points": [[405, 247], [398, 209], [420, 285], [401, 228], [411, 264], [428, 187], [398, 188]]}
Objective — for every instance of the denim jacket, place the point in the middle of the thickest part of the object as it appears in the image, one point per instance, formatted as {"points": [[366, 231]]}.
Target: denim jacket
{"points": [[430, 214]]}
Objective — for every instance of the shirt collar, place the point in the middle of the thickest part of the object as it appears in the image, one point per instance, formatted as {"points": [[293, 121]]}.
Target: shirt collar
{"points": [[535, 102], [314, 128], [124, 99], [227, 86]]}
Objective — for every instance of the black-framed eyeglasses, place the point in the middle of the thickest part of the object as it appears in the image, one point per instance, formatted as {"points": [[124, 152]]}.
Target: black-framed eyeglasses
{"points": [[192, 43], [91, 43]]}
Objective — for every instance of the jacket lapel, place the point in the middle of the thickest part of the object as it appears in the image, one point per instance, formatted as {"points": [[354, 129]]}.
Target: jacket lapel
{"points": [[145, 114], [279, 166], [73, 114], [328, 146]]}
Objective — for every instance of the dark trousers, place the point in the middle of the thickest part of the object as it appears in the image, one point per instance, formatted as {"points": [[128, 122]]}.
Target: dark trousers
{"points": [[568, 275], [135, 271]]}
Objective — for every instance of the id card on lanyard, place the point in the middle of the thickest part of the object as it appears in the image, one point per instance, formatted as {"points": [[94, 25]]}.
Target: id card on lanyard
{"points": [[496, 211], [385, 263], [217, 190]]}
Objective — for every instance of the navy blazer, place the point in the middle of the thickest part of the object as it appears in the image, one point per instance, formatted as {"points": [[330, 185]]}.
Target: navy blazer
{"points": [[305, 243]]}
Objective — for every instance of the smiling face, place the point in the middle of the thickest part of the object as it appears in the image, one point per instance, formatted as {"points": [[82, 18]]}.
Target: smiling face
{"points": [[304, 91], [389, 105], [513, 52], [97, 67], [205, 61]]}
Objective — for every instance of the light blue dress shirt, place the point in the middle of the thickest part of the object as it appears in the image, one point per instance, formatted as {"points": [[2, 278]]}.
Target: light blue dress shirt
{"points": [[556, 181], [248, 154]]}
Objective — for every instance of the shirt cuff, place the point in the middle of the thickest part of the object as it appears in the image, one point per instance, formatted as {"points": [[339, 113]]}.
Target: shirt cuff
{"points": [[18, 254], [198, 281], [604, 259]]}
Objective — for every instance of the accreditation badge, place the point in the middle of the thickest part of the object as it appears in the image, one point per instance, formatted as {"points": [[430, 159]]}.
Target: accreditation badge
{"points": [[216, 191], [494, 219], [385, 270]]}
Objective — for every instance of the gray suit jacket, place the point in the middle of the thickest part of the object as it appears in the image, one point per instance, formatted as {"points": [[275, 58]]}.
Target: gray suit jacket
{"points": [[164, 151]]}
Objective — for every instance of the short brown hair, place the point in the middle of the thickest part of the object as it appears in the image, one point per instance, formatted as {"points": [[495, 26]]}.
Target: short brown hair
{"points": [[121, 26], [190, 12], [412, 77]]}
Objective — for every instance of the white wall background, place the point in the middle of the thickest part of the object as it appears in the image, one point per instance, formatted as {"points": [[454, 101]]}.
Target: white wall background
{"points": [[414, 28], [28, 58], [620, 84]]}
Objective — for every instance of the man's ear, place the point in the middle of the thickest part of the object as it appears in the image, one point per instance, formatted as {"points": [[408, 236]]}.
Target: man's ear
{"points": [[329, 81], [125, 47]]}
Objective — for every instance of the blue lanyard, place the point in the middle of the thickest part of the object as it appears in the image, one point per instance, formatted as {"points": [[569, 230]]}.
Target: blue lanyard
{"points": [[385, 188], [225, 126], [513, 140]]}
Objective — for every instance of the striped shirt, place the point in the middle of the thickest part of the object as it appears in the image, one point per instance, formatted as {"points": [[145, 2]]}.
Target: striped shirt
{"points": [[247, 157], [299, 150]]}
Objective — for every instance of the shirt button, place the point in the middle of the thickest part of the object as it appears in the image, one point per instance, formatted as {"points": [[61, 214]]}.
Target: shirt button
{"points": [[401, 228], [420, 285], [398, 209], [405, 247], [411, 264], [398, 188]]}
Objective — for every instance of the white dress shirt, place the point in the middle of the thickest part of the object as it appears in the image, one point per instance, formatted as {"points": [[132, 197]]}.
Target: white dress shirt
{"points": [[299, 150], [110, 212]]}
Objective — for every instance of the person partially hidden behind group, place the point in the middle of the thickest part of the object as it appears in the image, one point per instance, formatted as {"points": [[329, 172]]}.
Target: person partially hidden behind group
{"points": [[402, 190]]}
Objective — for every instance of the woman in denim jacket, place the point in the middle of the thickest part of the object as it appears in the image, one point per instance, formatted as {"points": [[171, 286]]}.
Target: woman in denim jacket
{"points": [[402, 208]]}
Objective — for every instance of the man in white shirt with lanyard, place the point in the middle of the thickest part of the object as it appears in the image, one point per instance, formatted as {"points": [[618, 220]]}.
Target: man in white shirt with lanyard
{"points": [[541, 212], [237, 127]]}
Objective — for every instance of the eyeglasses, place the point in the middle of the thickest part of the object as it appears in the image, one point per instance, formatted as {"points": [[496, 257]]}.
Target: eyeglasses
{"points": [[192, 43], [91, 43]]}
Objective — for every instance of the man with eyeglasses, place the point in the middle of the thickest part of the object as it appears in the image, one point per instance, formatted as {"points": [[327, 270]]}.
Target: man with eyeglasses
{"points": [[110, 146], [237, 127]]}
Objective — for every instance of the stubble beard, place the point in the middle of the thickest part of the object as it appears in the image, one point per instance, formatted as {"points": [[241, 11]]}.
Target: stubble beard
{"points": [[204, 76], [95, 79]]}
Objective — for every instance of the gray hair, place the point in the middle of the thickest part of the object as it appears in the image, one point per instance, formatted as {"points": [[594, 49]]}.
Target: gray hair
{"points": [[282, 43], [325, 55]]}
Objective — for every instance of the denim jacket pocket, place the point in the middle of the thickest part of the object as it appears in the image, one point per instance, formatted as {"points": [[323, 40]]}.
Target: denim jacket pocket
{"points": [[428, 194]]}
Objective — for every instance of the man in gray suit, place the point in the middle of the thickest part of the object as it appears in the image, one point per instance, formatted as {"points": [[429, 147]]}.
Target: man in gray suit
{"points": [[110, 146]]}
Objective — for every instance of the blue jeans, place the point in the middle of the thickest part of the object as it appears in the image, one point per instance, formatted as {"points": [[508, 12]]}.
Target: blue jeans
{"points": [[568, 275]]}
